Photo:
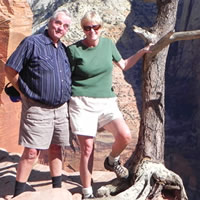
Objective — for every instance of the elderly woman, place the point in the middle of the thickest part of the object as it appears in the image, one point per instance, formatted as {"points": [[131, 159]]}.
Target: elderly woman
{"points": [[93, 104]]}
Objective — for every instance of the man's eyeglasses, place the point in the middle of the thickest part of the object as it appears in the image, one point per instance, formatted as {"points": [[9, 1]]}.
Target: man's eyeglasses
{"points": [[94, 27]]}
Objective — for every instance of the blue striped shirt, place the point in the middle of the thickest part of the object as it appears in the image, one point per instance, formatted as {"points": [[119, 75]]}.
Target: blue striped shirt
{"points": [[44, 70]]}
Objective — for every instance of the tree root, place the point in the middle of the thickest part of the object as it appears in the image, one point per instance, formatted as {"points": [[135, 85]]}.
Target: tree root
{"points": [[151, 179]]}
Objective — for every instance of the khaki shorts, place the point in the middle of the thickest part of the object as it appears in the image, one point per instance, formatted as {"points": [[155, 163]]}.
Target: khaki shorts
{"points": [[42, 125], [88, 114]]}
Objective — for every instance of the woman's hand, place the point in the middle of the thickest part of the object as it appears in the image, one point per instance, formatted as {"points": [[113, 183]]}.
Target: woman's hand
{"points": [[147, 49]]}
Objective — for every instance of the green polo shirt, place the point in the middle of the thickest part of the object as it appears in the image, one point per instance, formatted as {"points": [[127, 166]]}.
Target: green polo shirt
{"points": [[92, 68]]}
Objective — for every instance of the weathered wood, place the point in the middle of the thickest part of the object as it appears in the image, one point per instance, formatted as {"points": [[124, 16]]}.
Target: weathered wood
{"points": [[165, 41], [149, 174]]}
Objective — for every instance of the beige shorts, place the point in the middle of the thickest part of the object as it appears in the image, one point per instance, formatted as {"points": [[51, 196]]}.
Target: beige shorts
{"points": [[88, 114], [42, 125]]}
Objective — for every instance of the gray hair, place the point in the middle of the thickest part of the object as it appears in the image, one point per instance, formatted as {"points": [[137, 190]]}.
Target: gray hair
{"points": [[58, 11]]}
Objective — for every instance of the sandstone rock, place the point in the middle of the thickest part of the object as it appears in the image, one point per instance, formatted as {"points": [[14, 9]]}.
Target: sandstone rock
{"points": [[16, 23], [50, 194], [16, 18], [76, 196]]}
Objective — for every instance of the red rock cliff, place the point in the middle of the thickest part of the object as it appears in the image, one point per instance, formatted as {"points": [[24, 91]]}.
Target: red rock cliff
{"points": [[15, 24]]}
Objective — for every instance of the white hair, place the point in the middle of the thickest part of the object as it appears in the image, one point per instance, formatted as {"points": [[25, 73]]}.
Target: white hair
{"points": [[58, 11]]}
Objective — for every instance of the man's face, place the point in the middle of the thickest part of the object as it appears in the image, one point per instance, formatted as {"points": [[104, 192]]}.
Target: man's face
{"points": [[58, 27]]}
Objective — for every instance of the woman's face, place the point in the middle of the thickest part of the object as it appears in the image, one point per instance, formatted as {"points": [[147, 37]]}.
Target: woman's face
{"points": [[92, 30]]}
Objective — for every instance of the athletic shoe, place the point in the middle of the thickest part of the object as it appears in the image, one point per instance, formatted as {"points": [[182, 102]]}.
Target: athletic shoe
{"points": [[120, 171], [89, 197]]}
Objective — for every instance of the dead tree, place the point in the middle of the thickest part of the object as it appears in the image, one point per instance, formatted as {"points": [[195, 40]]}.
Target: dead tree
{"points": [[148, 174]]}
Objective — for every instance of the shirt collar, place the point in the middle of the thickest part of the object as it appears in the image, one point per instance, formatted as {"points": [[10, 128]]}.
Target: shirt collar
{"points": [[47, 40]]}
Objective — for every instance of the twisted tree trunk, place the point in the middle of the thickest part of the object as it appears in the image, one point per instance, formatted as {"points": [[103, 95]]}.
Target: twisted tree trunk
{"points": [[148, 175]]}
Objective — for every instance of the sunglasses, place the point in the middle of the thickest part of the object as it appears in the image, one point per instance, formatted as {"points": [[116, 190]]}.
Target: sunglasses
{"points": [[89, 28]]}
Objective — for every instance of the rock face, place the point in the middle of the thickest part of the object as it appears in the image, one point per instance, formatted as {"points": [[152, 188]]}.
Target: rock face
{"points": [[183, 102], [16, 23]]}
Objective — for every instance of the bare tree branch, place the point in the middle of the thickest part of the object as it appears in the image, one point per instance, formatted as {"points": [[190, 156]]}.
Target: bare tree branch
{"points": [[147, 36], [162, 43], [169, 38], [173, 37], [185, 35]]}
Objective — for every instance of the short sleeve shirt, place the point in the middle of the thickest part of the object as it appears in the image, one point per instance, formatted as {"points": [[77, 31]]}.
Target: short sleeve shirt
{"points": [[44, 70], [92, 68]]}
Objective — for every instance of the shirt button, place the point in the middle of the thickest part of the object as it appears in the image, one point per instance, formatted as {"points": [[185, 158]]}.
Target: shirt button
{"points": [[60, 71]]}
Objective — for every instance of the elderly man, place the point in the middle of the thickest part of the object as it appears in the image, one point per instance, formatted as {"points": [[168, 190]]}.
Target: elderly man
{"points": [[39, 70]]}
